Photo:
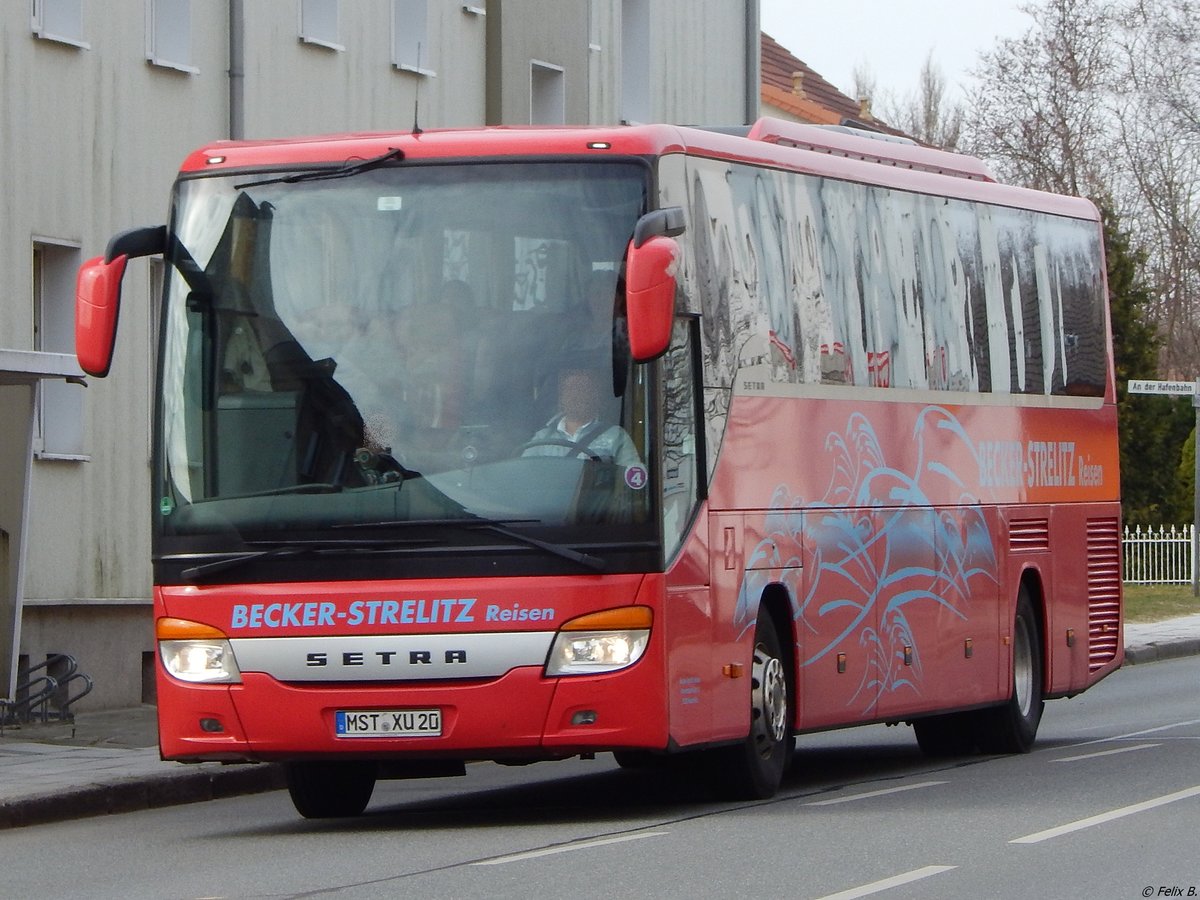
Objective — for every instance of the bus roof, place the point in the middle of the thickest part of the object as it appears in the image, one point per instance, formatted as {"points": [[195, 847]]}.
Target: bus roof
{"points": [[812, 149]]}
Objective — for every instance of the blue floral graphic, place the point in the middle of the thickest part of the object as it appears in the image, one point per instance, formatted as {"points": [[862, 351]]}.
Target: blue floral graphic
{"points": [[861, 560]]}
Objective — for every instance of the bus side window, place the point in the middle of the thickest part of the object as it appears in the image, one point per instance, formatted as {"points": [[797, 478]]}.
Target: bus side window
{"points": [[681, 462]]}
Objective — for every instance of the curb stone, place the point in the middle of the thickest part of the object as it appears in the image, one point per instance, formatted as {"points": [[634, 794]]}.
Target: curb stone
{"points": [[189, 785], [1153, 651]]}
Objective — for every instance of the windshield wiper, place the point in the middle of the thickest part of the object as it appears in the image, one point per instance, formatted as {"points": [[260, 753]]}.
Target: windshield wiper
{"points": [[395, 154], [478, 523], [194, 573], [595, 563], [280, 550], [313, 487]]}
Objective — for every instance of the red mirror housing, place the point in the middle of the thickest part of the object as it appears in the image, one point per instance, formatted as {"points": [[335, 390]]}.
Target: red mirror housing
{"points": [[650, 296], [97, 303]]}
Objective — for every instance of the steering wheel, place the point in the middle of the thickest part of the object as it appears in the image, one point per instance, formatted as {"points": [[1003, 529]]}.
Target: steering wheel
{"points": [[563, 442]]}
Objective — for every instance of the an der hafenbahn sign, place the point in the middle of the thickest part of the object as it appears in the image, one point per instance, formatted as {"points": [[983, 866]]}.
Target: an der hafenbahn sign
{"points": [[1173, 388]]}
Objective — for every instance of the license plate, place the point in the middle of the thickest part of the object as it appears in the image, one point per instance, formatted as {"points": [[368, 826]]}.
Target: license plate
{"points": [[388, 723]]}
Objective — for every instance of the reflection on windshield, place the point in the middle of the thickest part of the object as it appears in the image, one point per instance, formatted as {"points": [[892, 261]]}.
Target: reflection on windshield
{"points": [[420, 342]]}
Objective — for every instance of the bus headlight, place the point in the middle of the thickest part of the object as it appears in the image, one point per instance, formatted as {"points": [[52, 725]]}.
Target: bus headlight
{"points": [[195, 652], [601, 642]]}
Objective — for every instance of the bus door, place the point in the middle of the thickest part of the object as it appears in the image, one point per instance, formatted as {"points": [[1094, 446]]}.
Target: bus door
{"points": [[733, 618], [694, 670]]}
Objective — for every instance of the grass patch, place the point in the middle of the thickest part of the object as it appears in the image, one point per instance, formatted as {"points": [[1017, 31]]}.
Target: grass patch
{"points": [[1155, 602]]}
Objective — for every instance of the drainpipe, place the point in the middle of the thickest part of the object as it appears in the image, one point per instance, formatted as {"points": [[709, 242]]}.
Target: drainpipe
{"points": [[237, 72], [753, 54]]}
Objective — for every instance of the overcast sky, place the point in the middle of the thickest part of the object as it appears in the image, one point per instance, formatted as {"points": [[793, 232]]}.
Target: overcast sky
{"points": [[890, 37]]}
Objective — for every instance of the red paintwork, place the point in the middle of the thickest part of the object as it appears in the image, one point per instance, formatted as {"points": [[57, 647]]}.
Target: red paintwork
{"points": [[650, 296], [791, 472], [787, 465], [97, 303], [521, 712], [222, 605], [596, 142]]}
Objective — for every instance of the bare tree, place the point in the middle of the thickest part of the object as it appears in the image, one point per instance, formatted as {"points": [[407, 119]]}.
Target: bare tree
{"points": [[866, 87], [1102, 98], [1160, 142], [929, 115], [1038, 111]]}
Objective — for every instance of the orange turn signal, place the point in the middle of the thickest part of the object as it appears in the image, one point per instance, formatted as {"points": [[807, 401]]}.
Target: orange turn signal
{"points": [[171, 629], [623, 618]]}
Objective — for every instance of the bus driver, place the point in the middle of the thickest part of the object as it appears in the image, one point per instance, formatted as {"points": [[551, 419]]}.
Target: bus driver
{"points": [[579, 428]]}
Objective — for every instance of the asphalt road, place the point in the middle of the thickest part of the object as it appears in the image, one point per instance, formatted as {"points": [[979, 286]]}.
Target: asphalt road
{"points": [[1107, 806]]}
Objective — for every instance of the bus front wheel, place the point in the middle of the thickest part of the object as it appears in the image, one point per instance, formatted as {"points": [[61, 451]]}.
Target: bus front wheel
{"points": [[753, 769], [330, 790]]}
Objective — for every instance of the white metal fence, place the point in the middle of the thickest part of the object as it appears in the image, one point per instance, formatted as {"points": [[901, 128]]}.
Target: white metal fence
{"points": [[1158, 555]]}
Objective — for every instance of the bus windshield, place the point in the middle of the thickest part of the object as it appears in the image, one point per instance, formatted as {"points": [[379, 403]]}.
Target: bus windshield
{"points": [[406, 344]]}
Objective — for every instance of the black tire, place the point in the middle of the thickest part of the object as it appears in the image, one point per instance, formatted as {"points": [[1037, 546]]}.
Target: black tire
{"points": [[754, 769], [640, 759], [330, 790], [1012, 726], [948, 735]]}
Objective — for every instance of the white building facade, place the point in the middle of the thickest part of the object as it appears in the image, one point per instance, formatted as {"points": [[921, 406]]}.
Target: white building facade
{"points": [[100, 100]]}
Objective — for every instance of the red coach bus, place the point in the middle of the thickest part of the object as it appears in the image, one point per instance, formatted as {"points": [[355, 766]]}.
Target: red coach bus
{"points": [[520, 444]]}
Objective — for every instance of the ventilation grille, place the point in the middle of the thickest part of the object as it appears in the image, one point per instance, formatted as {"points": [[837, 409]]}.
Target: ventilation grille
{"points": [[1029, 534], [1104, 591]]}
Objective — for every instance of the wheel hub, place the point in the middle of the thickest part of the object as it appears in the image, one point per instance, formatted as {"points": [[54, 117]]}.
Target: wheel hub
{"points": [[1023, 667], [768, 702]]}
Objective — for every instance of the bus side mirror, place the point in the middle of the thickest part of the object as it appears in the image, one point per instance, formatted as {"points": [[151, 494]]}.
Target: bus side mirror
{"points": [[98, 295], [650, 296], [97, 303]]}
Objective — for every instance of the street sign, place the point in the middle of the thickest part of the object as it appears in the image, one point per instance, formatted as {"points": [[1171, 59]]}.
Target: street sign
{"points": [[1173, 388], [1181, 389]]}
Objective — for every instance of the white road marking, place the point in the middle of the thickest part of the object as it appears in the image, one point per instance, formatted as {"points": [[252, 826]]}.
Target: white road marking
{"points": [[1142, 733], [568, 848], [1107, 817], [888, 883], [881, 793], [1105, 752]]}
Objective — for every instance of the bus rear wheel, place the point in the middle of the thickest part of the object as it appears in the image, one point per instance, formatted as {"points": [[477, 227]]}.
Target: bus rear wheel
{"points": [[952, 734], [330, 790], [754, 769], [1012, 726]]}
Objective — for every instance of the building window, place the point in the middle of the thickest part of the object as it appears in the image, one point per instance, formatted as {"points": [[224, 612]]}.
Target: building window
{"points": [[547, 95], [59, 20], [319, 23], [412, 49], [169, 34], [58, 429]]}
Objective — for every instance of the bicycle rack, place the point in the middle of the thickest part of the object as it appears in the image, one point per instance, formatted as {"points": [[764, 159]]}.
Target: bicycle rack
{"points": [[65, 709], [41, 696]]}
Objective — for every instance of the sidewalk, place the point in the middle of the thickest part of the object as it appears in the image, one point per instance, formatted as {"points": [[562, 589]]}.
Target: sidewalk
{"points": [[107, 762], [1162, 640]]}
